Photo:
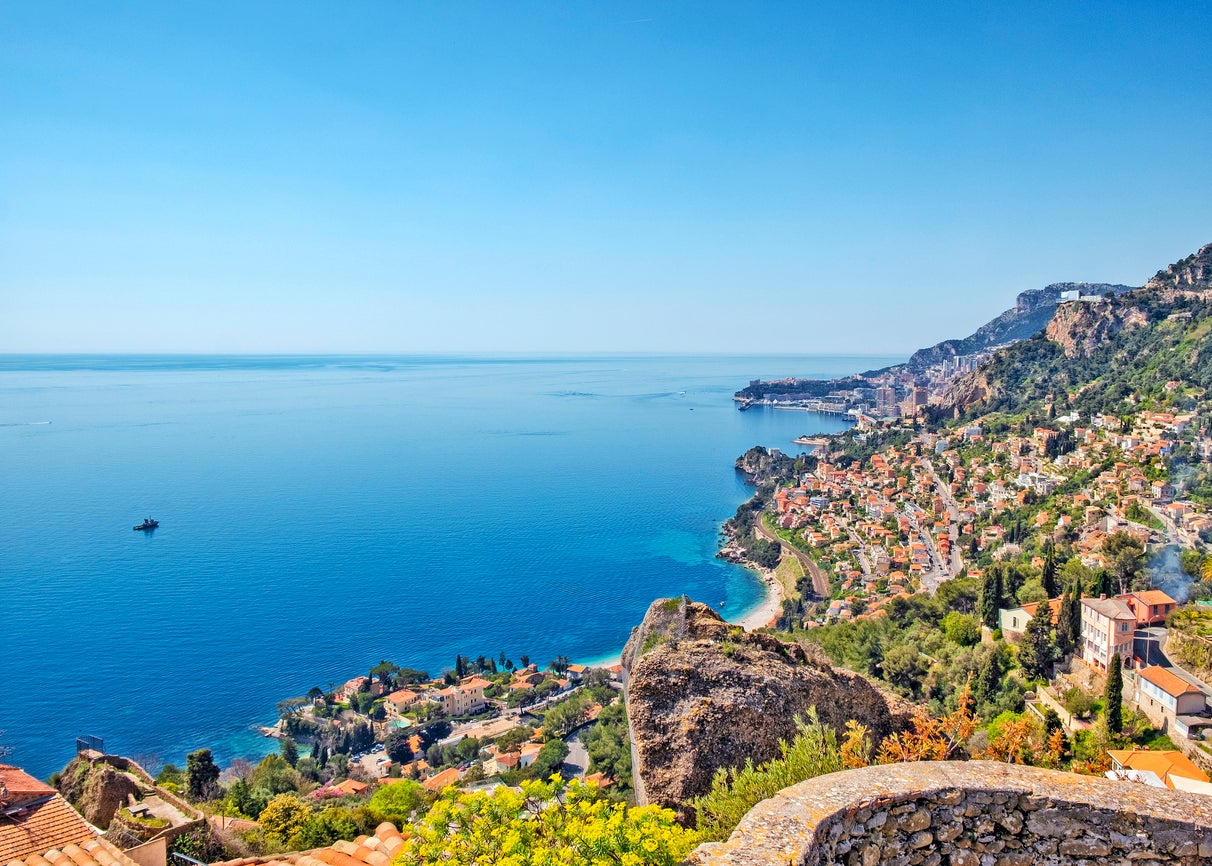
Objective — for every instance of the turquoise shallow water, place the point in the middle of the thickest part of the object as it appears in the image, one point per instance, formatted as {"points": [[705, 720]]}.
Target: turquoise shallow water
{"points": [[321, 514]]}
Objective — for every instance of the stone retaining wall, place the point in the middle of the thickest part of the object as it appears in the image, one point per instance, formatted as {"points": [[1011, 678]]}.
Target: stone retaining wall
{"points": [[973, 813]]}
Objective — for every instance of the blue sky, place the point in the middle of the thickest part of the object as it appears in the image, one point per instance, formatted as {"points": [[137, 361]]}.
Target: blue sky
{"points": [[575, 176]]}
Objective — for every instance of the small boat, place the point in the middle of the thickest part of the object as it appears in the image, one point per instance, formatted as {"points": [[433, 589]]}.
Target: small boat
{"points": [[147, 525]]}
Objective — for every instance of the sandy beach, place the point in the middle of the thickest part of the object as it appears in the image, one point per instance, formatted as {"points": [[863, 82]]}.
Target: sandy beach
{"points": [[766, 612]]}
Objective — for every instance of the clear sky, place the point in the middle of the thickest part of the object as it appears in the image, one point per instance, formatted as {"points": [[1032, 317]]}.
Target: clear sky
{"points": [[577, 176]]}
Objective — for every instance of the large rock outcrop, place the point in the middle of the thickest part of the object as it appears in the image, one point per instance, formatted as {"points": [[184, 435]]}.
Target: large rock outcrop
{"points": [[1081, 328], [703, 694], [97, 790]]}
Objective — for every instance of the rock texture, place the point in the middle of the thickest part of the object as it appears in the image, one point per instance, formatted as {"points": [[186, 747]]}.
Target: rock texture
{"points": [[703, 694], [97, 791], [975, 813], [1080, 329]]}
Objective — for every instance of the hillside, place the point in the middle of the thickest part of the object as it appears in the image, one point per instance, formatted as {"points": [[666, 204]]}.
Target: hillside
{"points": [[1146, 348], [1031, 312]]}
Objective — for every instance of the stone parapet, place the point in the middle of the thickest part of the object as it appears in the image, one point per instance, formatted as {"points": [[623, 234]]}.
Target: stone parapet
{"points": [[970, 813]]}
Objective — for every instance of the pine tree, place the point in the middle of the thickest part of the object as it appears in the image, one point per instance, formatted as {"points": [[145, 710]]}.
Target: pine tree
{"points": [[290, 751], [1113, 696], [1037, 650]]}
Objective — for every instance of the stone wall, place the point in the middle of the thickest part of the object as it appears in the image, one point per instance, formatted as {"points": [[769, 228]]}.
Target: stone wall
{"points": [[974, 813]]}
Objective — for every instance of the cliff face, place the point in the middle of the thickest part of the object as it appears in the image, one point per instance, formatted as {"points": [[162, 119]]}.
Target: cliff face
{"points": [[1032, 310], [1081, 328], [702, 695]]}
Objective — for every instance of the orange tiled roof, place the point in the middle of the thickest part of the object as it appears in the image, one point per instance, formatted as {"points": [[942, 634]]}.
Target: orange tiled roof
{"points": [[442, 779], [37, 819], [21, 785], [1154, 596], [1164, 764], [1170, 683], [96, 852], [376, 850]]}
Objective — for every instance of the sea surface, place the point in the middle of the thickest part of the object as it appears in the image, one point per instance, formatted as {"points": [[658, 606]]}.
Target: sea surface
{"points": [[320, 514]]}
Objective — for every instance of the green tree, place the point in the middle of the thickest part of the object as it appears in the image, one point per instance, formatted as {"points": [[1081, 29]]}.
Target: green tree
{"points": [[283, 817], [961, 629], [1113, 695], [1032, 591], [274, 776], [399, 801], [290, 751], [991, 597], [989, 678], [1064, 621], [1048, 576], [1037, 651], [1075, 615], [549, 760], [201, 775]]}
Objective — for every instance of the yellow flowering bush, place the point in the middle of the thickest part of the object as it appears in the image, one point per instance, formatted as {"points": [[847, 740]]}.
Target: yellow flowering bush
{"points": [[546, 824]]}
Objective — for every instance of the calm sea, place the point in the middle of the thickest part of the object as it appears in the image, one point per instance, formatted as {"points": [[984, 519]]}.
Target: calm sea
{"points": [[320, 514]]}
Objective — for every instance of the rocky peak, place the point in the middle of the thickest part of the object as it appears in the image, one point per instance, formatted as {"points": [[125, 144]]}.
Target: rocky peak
{"points": [[1194, 273]]}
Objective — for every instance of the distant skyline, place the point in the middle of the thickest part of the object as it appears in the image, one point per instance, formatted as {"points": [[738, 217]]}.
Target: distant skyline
{"points": [[556, 178]]}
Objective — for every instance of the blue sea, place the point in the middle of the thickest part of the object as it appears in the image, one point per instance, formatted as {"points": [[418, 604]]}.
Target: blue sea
{"points": [[320, 514]]}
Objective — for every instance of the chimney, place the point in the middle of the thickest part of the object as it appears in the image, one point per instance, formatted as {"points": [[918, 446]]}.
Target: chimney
{"points": [[1102, 596]]}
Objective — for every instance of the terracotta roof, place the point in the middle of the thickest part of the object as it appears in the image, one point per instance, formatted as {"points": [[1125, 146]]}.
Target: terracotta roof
{"points": [[376, 850], [40, 827], [1164, 764], [1154, 596], [1170, 683], [36, 819], [95, 852], [442, 779], [21, 785], [351, 786]]}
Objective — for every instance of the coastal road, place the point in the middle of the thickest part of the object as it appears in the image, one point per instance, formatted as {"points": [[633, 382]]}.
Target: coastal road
{"points": [[820, 584]]}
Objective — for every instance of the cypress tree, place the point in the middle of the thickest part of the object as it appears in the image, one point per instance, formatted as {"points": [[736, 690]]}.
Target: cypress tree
{"points": [[1048, 578], [991, 597], [1064, 625], [1075, 616], [1113, 696]]}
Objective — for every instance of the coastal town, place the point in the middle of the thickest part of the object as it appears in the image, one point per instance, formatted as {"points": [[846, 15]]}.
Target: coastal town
{"points": [[990, 563]]}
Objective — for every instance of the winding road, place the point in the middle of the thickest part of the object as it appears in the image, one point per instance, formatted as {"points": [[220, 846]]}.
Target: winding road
{"points": [[820, 584]]}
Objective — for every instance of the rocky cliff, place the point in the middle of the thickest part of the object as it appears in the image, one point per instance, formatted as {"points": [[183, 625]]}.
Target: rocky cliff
{"points": [[703, 694], [1032, 311], [1082, 328]]}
